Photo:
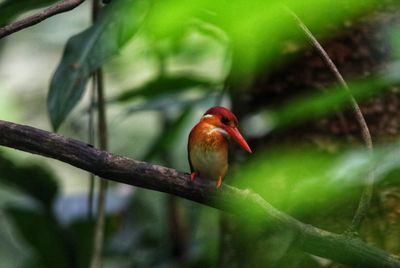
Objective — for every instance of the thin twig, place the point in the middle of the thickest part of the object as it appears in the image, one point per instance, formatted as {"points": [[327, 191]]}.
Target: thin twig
{"points": [[98, 241], [366, 196], [91, 134], [340, 248], [59, 7]]}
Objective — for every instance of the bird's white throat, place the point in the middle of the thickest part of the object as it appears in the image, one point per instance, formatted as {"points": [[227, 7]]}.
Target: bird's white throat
{"points": [[220, 130]]}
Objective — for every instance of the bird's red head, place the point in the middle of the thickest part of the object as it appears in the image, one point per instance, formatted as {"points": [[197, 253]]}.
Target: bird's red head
{"points": [[224, 119]]}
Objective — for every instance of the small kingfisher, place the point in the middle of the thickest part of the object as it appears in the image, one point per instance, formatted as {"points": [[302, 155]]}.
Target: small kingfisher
{"points": [[208, 144]]}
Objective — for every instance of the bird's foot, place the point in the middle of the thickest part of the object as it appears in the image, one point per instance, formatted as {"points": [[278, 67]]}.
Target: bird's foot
{"points": [[193, 176], [219, 182]]}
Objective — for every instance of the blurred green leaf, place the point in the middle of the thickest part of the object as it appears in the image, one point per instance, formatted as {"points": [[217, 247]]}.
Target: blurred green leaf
{"points": [[81, 232], [164, 85], [9, 9], [265, 26], [144, 237], [169, 135], [165, 102], [87, 51], [394, 38], [34, 180], [170, 18], [320, 103], [56, 244], [257, 30], [43, 235], [302, 179]]}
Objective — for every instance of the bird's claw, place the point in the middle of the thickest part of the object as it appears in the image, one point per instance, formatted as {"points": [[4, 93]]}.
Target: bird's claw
{"points": [[219, 182], [193, 176]]}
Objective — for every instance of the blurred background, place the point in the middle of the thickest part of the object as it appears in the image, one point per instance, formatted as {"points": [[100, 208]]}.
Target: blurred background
{"points": [[165, 63]]}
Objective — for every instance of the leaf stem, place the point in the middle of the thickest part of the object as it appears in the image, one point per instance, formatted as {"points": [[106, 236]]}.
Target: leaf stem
{"points": [[98, 242], [91, 135]]}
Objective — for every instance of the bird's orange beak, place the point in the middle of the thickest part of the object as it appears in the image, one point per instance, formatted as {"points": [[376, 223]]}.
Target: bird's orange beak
{"points": [[235, 134]]}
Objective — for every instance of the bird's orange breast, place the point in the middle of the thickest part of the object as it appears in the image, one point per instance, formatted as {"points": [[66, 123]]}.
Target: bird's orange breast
{"points": [[208, 151]]}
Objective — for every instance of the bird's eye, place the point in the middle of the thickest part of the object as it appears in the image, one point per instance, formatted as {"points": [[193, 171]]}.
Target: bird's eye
{"points": [[225, 120]]}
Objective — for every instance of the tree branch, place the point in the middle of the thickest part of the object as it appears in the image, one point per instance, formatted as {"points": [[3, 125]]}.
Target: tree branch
{"points": [[315, 241], [366, 196], [55, 9]]}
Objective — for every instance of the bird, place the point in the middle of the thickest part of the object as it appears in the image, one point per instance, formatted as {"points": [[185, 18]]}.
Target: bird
{"points": [[208, 144]]}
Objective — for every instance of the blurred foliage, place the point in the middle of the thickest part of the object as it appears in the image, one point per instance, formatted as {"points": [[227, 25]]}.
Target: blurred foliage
{"points": [[167, 137], [138, 231], [298, 179], [170, 21], [42, 234], [53, 243], [319, 104], [256, 29], [162, 86], [143, 236], [34, 180]]}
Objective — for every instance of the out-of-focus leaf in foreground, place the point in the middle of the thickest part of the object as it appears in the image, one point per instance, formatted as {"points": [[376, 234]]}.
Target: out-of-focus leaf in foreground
{"points": [[34, 180], [43, 235], [165, 85], [87, 51], [9, 9], [320, 104], [257, 30], [168, 136], [287, 177], [304, 180], [169, 101]]}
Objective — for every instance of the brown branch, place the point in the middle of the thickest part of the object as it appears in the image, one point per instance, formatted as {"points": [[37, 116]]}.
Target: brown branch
{"points": [[366, 195], [315, 241], [59, 7]]}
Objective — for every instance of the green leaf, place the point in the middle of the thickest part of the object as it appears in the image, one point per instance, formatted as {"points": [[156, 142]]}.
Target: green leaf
{"points": [[165, 85], [43, 235], [300, 179], [9, 9], [87, 51], [34, 180]]}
